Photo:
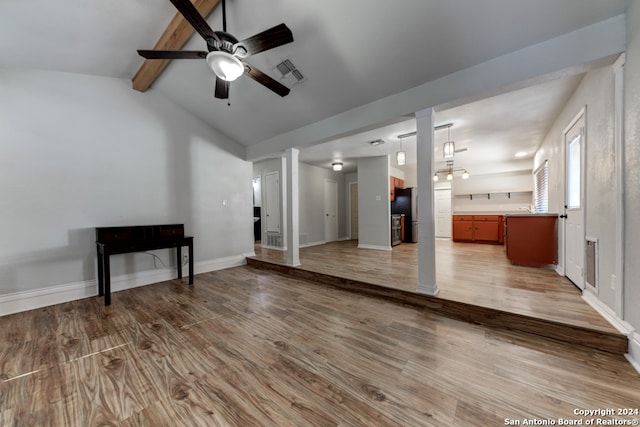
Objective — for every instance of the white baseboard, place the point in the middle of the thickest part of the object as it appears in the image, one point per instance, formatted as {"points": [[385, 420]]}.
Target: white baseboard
{"points": [[51, 295], [318, 243], [633, 355], [606, 312], [376, 247], [634, 351], [428, 290]]}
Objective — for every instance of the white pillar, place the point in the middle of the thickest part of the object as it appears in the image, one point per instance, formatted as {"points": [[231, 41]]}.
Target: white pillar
{"points": [[293, 208], [426, 224]]}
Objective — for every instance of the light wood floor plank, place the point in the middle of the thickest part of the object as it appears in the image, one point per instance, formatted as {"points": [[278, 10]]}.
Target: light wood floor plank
{"points": [[245, 346]]}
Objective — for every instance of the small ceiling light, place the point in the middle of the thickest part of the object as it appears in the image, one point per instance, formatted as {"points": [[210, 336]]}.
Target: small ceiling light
{"points": [[465, 175], [377, 142], [435, 177], [521, 154], [225, 65], [449, 176], [337, 166]]}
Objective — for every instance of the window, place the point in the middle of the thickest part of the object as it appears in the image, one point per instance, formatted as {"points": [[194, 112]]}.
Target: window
{"points": [[573, 174], [541, 188]]}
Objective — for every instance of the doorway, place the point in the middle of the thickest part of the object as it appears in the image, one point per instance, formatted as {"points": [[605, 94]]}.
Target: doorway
{"points": [[330, 211], [574, 236], [442, 209]]}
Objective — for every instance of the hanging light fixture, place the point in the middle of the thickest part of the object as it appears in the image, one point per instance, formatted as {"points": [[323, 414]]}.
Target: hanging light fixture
{"points": [[449, 148], [401, 156], [449, 172], [337, 166]]}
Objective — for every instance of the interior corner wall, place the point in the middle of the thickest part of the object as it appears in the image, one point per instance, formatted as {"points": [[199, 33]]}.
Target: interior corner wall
{"points": [[596, 92], [311, 200], [374, 206], [632, 169], [80, 152]]}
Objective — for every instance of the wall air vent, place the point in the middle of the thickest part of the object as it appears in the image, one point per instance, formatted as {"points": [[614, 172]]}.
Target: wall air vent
{"points": [[288, 72]]}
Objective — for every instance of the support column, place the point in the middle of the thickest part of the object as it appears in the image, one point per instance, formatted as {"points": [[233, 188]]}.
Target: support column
{"points": [[426, 224], [293, 208]]}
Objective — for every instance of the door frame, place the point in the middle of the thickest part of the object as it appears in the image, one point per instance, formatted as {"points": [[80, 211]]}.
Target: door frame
{"points": [[582, 114]]}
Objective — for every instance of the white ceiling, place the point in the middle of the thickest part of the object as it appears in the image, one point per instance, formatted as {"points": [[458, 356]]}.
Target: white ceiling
{"points": [[351, 52]]}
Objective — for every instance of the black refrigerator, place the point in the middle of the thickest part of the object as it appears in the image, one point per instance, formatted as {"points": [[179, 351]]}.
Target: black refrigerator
{"points": [[406, 203]]}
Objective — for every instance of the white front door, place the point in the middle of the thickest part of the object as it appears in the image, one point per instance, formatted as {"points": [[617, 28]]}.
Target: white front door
{"points": [[330, 211], [442, 208], [574, 202]]}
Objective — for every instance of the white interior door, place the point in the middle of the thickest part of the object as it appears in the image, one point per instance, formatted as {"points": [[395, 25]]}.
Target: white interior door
{"points": [[574, 203], [442, 209], [330, 211], [272, 202]]}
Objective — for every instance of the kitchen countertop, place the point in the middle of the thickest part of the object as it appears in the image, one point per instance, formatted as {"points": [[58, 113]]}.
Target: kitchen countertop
{"points": [[507, 213]]}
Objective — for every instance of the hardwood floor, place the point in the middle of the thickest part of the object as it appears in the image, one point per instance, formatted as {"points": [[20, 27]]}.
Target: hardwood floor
{"points": [[249, 347], [475, 275]]}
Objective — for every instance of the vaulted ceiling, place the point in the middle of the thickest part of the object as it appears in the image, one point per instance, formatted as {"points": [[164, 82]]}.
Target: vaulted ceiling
{"points": [[350, 52]]}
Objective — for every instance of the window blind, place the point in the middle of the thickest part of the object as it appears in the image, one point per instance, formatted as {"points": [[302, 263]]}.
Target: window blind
{"points": [[541, 188]]}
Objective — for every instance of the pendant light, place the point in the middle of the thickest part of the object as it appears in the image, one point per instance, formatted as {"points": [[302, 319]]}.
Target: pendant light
{"points": [[449, 149], [401, 156]]}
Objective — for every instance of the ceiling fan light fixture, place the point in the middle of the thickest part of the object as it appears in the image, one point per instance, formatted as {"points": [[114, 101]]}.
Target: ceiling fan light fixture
{"points": [[337, 166], [225, 65]]}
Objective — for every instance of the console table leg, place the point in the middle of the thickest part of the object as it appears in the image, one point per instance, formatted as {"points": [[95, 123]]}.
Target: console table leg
{"points": [[191, 264], [100, 274], [107, 281], [179, 260]]}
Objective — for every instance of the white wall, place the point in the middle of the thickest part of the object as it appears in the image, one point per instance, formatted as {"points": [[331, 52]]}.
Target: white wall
{"points": [[80, 152], [311, 198], [632, 171], [312, 180], [596, 92], [374, 206], [495, 192]]}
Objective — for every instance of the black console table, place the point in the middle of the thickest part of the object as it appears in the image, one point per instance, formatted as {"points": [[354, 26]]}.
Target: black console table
{"points": [[139, 238]]}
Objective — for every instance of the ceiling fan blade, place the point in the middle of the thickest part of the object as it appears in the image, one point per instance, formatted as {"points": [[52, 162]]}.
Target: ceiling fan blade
{"points": [[191, 14], [172, 54], [265, 80], [273, 37], [222, 88]]}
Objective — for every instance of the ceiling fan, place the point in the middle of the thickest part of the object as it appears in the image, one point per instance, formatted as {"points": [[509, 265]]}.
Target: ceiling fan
{"points": [[225, 54]]}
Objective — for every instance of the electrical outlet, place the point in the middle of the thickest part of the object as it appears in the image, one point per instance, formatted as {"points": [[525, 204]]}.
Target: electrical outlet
{"points": [[185, 258]]}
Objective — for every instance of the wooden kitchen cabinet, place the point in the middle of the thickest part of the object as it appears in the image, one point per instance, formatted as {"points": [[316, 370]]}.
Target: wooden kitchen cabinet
{"points": [[532, 240], [477, 228], [462, 230], [394, 182]]}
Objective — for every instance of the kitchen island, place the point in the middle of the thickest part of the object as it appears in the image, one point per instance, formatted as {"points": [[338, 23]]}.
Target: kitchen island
{"points": [[531, 239]]}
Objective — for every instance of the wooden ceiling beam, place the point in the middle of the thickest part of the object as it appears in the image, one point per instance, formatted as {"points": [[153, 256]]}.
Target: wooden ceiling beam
{"points": [[174, 38]]}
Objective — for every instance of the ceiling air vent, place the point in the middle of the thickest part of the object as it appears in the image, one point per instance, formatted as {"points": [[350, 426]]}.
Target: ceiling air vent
{"points": [[288, 72]]}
